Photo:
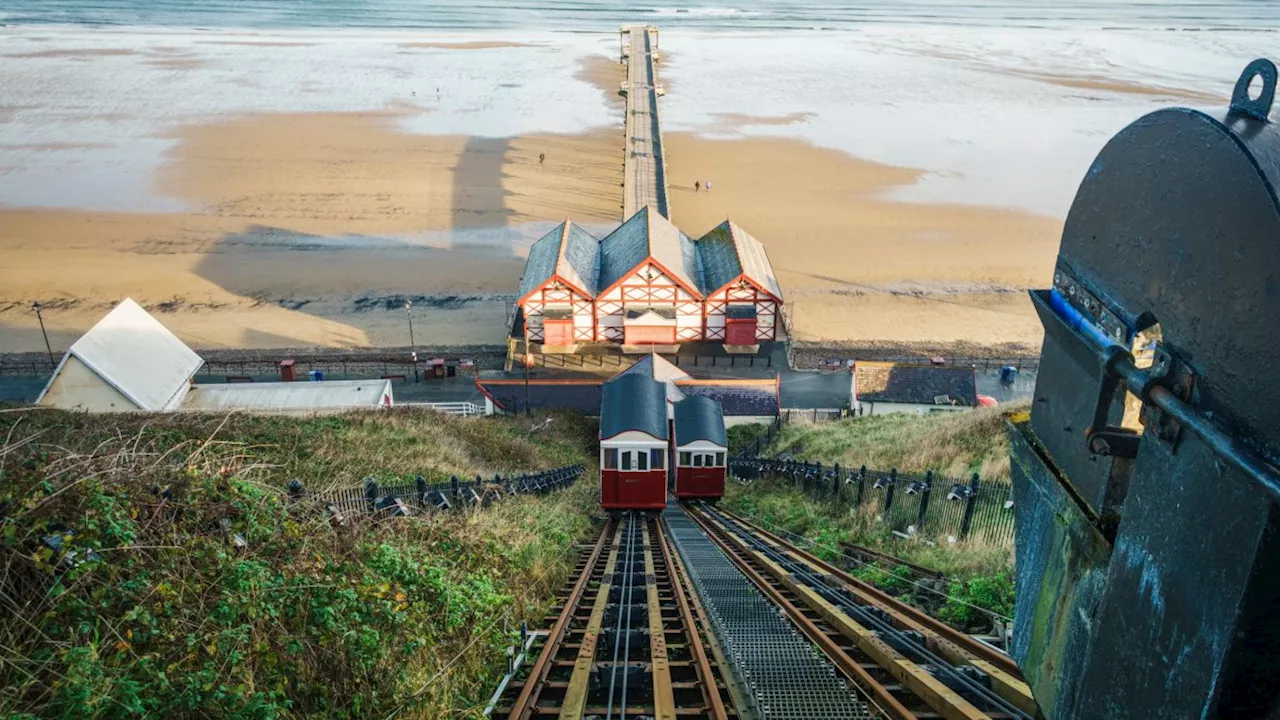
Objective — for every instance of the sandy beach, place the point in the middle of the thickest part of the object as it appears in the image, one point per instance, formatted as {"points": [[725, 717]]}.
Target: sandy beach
{"points": [[302, 228]]}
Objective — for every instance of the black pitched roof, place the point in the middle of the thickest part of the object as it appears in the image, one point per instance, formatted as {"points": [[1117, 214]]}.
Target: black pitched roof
{"points": [[583, 397], [633, 402], [922, 384], [699, 418], [737, 399]]}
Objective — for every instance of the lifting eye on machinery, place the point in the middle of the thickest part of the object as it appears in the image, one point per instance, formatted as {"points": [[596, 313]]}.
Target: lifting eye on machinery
{"points": [[1149, 551]]}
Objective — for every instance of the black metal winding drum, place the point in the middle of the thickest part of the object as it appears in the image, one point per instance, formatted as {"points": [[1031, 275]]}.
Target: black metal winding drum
{"points": [[1149, 553]]}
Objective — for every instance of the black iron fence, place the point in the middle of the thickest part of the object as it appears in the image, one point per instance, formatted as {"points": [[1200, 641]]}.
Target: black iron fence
{"points": [[914, 504], [406, 498]]}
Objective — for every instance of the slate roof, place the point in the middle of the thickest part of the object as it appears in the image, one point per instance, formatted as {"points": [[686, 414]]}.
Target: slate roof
{"points": [[923, 384], [648, 234], [699, 418], [567, 251], [583, 397], [727, 252], [737, 399], [666, 313], [633, 402]]}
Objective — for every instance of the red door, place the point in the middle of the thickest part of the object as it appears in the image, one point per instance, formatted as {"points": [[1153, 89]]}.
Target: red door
{"points": [[557, 332], [740, 331]]}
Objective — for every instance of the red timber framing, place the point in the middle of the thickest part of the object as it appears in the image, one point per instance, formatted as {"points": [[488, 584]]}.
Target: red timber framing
{"points": [[648, 285], [745, 292], [557, 294]]}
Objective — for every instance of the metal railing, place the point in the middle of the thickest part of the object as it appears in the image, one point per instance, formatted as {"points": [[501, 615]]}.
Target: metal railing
{"points": [[462, 409], [405, 498], [913, 504]]}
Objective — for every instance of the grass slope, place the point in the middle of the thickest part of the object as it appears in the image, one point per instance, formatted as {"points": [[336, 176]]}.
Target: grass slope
{"points": [[116, 601], [955, 444]]}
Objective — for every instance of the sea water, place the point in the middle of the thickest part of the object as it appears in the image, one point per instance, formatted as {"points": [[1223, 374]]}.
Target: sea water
{"points": [[90, 95]]}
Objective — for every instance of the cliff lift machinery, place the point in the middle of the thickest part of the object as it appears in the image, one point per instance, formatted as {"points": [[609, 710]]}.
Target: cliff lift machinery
{"points": [[1145, 476]]}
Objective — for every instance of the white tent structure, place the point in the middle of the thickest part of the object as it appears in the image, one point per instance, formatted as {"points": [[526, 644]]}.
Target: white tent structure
{"points": [[303, 398], [127, 362]]}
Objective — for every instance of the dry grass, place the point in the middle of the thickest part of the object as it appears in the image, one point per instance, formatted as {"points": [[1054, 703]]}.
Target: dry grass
{"points": [[124, 594], [953, 444]]}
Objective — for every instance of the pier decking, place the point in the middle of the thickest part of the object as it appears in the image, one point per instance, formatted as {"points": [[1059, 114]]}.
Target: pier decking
{"points": [[644, 172]]}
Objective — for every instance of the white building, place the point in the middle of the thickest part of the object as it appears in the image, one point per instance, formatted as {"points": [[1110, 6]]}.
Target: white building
{"points": [[303, 398], [128, 362]]}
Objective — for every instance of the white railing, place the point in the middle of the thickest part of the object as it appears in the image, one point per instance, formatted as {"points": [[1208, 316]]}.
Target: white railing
{"points": [[465, 409]]}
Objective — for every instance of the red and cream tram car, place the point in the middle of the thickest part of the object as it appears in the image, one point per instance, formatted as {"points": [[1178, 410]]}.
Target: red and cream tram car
{"points": [[634, 441], [701, 449]]}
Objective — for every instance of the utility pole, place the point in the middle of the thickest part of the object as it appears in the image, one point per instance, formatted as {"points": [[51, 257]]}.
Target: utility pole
{"points": [[525, 361], [413, 346], [36, 306]]}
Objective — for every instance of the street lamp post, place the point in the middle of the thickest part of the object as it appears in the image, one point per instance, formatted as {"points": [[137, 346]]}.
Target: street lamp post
{"points": [[36, 306], [408, 305]]}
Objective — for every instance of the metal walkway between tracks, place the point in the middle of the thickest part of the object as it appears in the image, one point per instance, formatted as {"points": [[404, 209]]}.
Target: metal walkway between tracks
{"points": [[783, 675]]}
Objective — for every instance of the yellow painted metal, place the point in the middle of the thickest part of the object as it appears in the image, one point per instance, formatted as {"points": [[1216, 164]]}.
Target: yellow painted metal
{"points": [[575, 698], [664, 702]]}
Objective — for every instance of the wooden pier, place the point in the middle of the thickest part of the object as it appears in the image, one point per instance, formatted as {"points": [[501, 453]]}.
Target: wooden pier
{"points": [[644, 179]]}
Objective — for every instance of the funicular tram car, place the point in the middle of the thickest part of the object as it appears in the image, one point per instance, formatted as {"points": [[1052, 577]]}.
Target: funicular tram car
{"points": [[701, 449], [634, 441]]}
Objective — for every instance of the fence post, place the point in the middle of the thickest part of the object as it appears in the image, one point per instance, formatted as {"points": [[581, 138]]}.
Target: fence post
{"points": [[924, 499], [454, 486], [372, 492], [888, 491], [969, 504], [836, 481], [420, 483], [862, 483]]}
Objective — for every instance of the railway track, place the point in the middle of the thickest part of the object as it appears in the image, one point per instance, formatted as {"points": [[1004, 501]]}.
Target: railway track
{"points": [[679, 617], [908, 665], [625, 642]]}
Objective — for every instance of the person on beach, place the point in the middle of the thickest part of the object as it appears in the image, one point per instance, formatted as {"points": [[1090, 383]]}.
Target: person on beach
{"points": [[708, 186], [697, 185], [542, 158]]}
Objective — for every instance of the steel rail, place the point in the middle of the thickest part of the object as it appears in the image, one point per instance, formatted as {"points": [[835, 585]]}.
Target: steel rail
{"points": [[915, 618], [880, 696], [710, 688], [619, 630], [525, 702], [871, 633], [575, 699]]}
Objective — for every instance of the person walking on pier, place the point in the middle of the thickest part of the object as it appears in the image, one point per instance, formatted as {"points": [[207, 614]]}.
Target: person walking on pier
{"points": [[697, 185]]}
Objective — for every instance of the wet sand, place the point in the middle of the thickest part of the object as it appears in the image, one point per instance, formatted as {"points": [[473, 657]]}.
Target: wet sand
{"points": [[313, 228]]}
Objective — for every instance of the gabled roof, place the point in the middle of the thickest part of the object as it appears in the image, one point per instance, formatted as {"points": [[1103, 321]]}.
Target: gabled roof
{"points": [[567, 252], [728, 252], [919, 384], [699, 418], [633, 402], [645, 235], [656, 368], [133, 353]]}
